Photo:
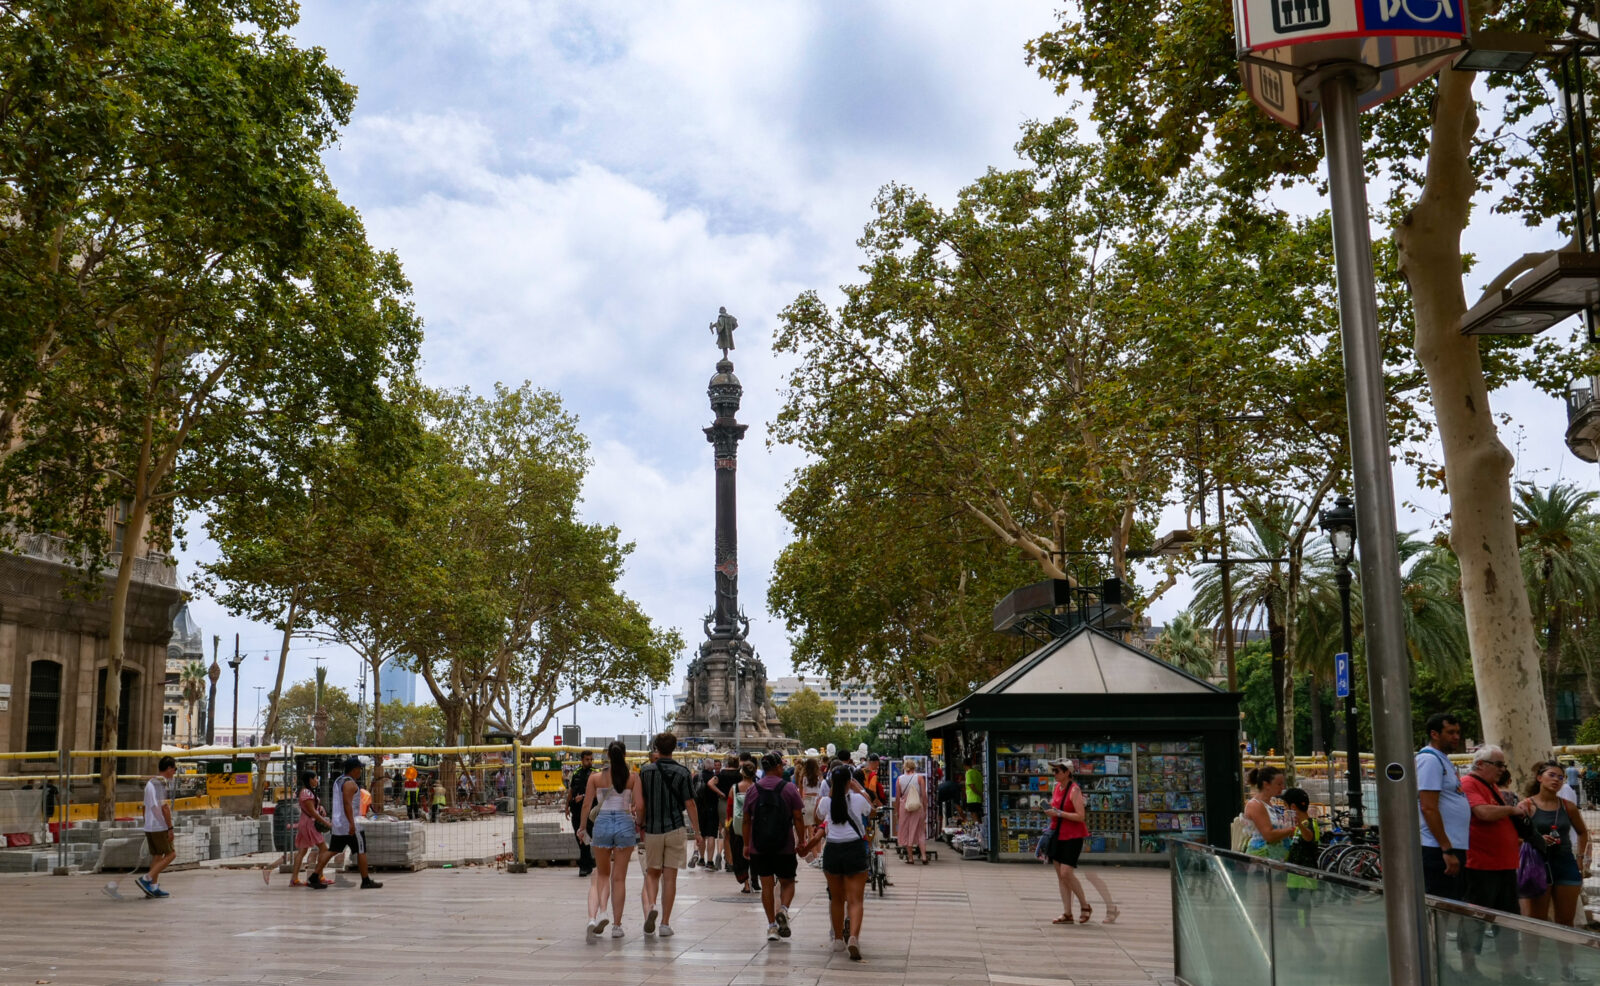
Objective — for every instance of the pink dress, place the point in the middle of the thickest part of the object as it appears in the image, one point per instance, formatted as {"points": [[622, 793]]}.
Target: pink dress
{"points": [[306, 835], [911, 827]]}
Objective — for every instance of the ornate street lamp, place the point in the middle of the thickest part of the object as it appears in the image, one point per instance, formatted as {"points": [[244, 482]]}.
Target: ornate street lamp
{"points": [[214, 672], [1339, 523], [234, 662]]}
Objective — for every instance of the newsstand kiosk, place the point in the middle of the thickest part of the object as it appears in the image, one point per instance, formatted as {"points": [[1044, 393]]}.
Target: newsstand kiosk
{"points": [[1156, 747]]}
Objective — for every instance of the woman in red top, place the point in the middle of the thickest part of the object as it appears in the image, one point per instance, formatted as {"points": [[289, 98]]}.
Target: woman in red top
{"points": [[1067, 814]]}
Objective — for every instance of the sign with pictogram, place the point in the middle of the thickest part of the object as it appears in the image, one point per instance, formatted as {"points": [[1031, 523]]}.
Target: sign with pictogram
{"points": [[1341, 675], [1402, 41]]}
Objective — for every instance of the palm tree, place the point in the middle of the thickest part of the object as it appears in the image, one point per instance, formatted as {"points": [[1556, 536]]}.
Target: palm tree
{"points": [[1430, 587], [1185, 644], [193, 681], [1260, 591], [1559, 537]]}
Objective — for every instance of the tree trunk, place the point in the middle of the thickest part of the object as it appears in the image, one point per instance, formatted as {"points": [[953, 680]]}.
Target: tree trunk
{"points": [[1276, 641], [1552, 661], [270, 728], [1505, 656], [452, 729], [376, 783], [117, 649]]}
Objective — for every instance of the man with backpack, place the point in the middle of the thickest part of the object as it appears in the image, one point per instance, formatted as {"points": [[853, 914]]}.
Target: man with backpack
{"points": [[774, 835]]}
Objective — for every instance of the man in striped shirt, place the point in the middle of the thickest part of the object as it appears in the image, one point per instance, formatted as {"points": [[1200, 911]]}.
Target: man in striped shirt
{"points": [[664, 783]]}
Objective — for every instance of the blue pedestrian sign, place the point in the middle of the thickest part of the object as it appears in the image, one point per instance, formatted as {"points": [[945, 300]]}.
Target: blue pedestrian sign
{"points": [[1341, 675]]}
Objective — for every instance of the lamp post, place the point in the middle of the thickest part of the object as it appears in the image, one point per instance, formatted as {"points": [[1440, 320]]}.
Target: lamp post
{"points": [[1339, 523], [234, 663], [214, 672]]}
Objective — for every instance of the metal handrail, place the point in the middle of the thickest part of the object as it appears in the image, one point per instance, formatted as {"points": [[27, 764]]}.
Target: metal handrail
{"points": [[1545, 929]]}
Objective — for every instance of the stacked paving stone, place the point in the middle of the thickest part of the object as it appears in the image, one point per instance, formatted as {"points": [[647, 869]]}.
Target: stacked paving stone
{"points": [[550, 841], [228, 836], [395, 845]]}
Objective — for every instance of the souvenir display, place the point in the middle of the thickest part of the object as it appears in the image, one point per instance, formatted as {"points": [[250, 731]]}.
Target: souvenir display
{"points": [[1133, 792]]}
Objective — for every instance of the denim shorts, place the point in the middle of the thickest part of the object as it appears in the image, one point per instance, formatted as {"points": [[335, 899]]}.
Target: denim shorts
{"points": [[614, 830]]}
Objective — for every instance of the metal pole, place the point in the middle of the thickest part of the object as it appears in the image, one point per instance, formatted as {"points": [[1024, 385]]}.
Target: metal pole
{"points": [[1388, 671], [519, 862], [1352, 746], [235, 662]]}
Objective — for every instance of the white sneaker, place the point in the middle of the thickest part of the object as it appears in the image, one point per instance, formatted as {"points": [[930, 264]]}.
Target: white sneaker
{"points": [[772, 932], [837, 944], [783, 922], [650, 921], [855, 948], [592, 930], [665, 931], [616, 931]]}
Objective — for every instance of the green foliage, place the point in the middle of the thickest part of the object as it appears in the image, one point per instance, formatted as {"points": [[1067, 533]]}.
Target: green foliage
{"points": [[1185, 644], [1024, 378], [915, 742], [412, 725], [1559, 539], [1589, 735], [300, 702], [184, 292]]}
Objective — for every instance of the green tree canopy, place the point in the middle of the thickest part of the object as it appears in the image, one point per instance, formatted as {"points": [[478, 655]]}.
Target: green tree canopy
{"points": [[300, 702]]}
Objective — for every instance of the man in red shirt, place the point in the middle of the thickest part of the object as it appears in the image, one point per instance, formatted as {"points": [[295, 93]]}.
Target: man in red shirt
{"points": [[1493, 845]]}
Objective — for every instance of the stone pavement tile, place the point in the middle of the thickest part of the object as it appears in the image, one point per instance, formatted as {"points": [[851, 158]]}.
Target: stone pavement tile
{"points": [[940, 925]]}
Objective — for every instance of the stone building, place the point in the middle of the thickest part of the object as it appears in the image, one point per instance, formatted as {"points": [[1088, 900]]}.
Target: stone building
{"points": [[181, 723], [54, 646]]}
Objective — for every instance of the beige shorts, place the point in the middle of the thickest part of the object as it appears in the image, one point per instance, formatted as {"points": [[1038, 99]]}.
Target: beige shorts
{"points": [[666, 851]]}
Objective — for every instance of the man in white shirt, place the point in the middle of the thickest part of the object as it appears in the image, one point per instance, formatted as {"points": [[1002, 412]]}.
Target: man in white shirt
{"points": [[158, 827], [346, 825]]}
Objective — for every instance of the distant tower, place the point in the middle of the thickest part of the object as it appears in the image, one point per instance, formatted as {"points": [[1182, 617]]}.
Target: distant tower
{"points": [[726, 690]]}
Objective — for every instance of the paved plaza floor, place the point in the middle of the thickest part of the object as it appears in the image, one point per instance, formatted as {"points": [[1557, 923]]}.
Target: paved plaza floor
{"points": [[952, 922]]}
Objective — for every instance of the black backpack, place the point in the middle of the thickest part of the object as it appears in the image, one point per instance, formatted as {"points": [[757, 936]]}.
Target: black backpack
{"points": [[770, 821]]}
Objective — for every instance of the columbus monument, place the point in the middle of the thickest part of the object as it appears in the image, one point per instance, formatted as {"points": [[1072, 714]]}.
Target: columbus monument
{"points": [[726, 702]]}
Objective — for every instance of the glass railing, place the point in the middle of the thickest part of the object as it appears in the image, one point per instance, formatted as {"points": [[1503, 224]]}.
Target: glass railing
{"points": [[1245, 921]]}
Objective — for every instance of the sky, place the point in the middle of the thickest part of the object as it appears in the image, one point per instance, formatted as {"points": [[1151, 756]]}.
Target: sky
{"points": [[574, 189]]}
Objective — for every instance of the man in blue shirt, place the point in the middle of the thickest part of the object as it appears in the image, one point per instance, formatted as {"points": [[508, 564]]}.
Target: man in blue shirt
{"points": [[1446, 816]]}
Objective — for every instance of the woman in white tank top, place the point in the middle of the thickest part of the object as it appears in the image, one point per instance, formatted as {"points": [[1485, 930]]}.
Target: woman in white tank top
{"points": [[615, 793]]}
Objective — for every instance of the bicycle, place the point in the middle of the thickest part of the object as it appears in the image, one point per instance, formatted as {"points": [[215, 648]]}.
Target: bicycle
{"points": [[1352, 850]]}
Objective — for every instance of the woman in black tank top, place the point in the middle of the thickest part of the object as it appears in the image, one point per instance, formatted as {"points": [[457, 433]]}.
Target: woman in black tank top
{"points": [[1554, 818]]}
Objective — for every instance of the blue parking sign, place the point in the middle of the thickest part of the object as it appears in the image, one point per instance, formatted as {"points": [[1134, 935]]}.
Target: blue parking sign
{"points": [[1341, 675]]}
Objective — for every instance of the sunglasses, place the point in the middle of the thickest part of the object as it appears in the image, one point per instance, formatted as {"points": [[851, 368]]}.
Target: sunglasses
{"points": [[1495, 763]]}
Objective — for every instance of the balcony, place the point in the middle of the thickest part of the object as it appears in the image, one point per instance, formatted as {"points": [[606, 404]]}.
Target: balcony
{"points": [[1583, 420], [153, 568]]}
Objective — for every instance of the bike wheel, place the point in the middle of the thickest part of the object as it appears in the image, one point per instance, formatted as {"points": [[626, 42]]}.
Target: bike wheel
{"points": [[1329, 859], [1363, 863], [883, 882]]}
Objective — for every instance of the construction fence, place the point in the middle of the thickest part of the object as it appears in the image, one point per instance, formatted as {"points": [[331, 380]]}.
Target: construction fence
{"points": [[490, 805]]}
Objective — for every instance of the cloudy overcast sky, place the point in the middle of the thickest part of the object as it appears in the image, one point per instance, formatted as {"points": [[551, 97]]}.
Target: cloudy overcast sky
{"points": [[574, 188]]}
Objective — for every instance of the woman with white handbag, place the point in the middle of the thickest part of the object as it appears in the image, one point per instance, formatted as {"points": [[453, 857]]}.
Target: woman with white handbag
{"points": [[911, 812]]}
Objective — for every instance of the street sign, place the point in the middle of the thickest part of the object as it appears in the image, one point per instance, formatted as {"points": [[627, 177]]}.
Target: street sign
{"points": [[936, 746], [1402, 41], [1341, 675]]}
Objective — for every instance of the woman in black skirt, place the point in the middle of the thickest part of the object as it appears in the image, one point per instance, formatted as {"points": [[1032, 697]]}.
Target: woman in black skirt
{"points": [[844, 858]]}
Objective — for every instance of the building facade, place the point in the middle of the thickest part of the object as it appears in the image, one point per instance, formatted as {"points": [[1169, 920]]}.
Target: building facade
{"points": [[54, 646], [853, 702], [183, 723]]}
